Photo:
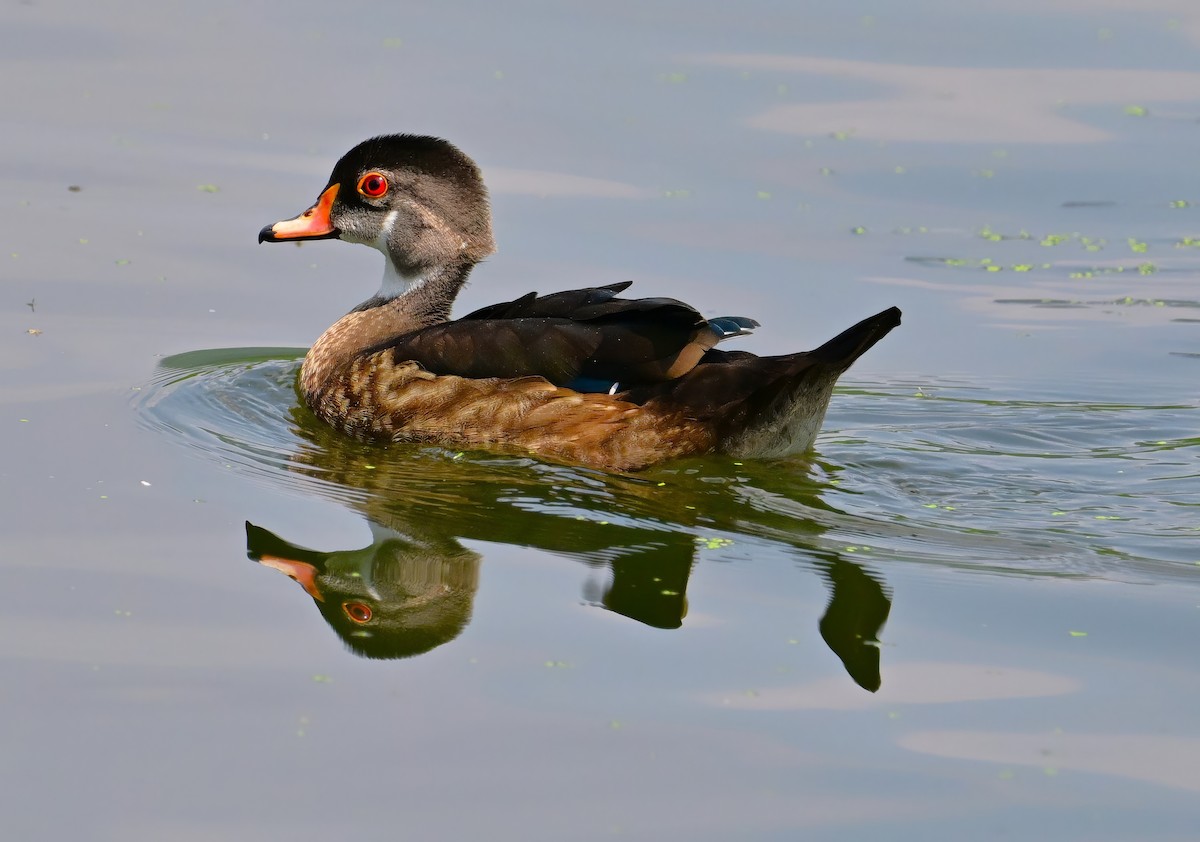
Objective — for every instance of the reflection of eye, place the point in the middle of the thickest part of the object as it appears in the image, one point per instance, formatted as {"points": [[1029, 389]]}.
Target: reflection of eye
{"points": [[373, 185], [357, 611]]}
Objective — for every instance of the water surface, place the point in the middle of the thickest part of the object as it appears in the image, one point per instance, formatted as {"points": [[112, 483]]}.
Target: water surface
{"points": [[968, 614]]}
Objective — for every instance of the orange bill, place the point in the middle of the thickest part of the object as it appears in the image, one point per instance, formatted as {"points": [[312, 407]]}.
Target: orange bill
{"points": [[313, 224], [299, 571]]}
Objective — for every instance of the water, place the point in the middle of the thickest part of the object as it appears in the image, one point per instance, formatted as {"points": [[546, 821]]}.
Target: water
{"points": [[968, 614]]}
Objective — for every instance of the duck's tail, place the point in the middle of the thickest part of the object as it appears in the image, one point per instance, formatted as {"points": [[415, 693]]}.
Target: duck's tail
{"points": [[783, 414], [840, 352], [762, 407]]}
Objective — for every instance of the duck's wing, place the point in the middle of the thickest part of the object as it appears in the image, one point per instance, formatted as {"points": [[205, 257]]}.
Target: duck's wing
{"points": [[588, 339]]}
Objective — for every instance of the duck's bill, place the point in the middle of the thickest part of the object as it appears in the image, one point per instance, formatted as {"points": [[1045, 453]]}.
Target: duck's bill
{"points": [[313, 224], [298, 571]]}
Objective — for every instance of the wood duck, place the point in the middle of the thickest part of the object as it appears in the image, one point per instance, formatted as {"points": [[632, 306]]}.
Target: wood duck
{"points": [[583, 376]]}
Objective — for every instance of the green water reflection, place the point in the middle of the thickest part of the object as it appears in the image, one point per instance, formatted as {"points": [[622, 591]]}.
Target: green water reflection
{"points": [[412, 588]]}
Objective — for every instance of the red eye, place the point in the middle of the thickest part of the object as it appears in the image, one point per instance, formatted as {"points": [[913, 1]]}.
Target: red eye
{"points": [[357, 611], [373, 185]]}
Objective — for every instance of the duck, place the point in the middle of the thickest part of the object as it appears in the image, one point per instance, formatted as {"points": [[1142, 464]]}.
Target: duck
{"points": [[585, 376]]}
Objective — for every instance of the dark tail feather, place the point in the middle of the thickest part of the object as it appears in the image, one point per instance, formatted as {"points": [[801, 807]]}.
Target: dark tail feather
{"points": [[783, 415], [841, 351]]}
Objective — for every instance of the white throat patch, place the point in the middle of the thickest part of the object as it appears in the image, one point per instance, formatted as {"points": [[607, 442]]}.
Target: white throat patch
{"points": [[394, 283]]}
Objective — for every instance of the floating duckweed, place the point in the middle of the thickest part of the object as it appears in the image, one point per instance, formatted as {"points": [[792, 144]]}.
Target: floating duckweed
{"points": [[1147, 269], [1137, 111], [1023, 267], [1138, 246], [675, 78], [825, 171], [858, 229], [677, 194], [764, 194], [320, 678], [843, 135], [208, 188], [1180, 203], [121, 262], [898, 170], [712, 543], [1078, 634], [1055, 239], [985, 173]]}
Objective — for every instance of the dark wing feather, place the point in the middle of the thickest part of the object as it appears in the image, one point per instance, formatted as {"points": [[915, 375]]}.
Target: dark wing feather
{"points": [[556, 305], [570, 337], [552, 348]]}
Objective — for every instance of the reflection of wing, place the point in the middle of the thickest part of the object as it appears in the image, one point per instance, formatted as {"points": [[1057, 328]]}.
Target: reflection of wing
{"points": [[584, 334]]}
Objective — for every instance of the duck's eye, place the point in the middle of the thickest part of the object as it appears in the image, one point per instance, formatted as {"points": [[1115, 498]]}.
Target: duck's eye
{"points": [[373, 185], [358, 612]]}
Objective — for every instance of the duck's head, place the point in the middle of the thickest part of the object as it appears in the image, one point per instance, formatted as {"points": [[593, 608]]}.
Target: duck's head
{"points": [[417, 199]]}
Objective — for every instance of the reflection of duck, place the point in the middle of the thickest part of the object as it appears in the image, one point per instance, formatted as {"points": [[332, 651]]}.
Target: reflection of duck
{"points": [[584, 376], [412, 589]]}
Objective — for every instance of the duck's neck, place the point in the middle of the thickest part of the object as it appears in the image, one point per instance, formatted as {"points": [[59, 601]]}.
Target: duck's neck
{"points": [[403, 304]]}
